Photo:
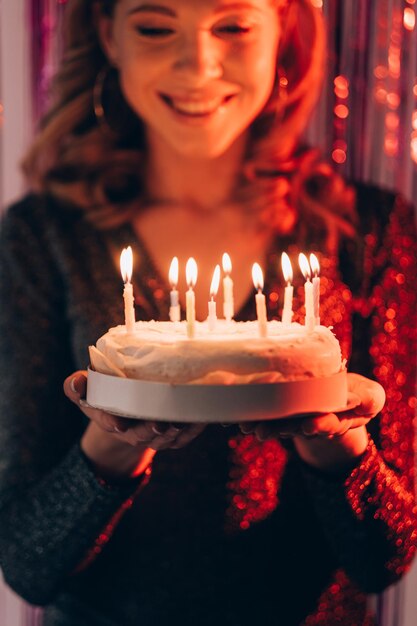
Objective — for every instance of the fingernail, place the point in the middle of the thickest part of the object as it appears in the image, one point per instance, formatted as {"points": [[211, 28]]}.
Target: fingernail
{"points": [[72, 384], [308, 430], [84, 404], [160, 430], [119, 430]]}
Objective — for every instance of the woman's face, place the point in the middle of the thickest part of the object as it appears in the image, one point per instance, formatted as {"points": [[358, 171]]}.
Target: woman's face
{"points": [[197, 72]]}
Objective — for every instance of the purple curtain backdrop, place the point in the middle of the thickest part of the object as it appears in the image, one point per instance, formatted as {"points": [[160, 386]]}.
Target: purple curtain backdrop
{"points": [[366, 122]]}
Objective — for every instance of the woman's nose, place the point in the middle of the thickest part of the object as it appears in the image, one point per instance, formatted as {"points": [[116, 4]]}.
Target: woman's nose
{"points": [[199, 58]]}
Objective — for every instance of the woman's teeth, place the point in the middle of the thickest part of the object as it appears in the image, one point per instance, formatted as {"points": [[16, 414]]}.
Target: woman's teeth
{"points": [[191, 107]]}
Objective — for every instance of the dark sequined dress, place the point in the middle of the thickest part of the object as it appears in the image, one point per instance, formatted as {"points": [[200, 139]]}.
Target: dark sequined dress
{"points": [[228, 530]]}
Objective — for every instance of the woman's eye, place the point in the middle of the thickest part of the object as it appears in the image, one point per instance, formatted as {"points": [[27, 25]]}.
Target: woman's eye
{"points": [[154, 32], [234, 29]]}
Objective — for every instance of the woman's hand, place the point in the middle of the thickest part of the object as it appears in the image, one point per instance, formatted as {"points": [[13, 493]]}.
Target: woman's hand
{"points": [[119, 446], [331, 441]]}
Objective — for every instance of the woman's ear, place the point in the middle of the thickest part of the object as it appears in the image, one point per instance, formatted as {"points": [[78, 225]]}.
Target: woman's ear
{"points": [[105, 31]]}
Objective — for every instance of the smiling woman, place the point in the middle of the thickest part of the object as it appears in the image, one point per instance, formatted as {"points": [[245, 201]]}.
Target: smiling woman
{"points": [[100, 167], [192, 74], [175, 129]]}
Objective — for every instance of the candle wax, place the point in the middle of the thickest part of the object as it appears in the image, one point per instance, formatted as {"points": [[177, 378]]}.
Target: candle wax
{"points": [[261, 313], [190, 309], [174, 309], [287, 310], [212, 315], [174, 297], [309, 319], [316, 299], [129, 307], [228, 305]]}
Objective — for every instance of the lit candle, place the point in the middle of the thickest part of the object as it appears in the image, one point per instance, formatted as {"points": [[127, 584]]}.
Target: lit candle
{"points": [[191, 276], [288, 276], [315, 268], [126, 268], [214, 287], [258, 281], [308, 291], [228, 304], [174, 309]]}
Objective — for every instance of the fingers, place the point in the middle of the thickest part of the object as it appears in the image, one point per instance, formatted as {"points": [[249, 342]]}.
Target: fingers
{"points": [[370, 393], [75, 388], [187, 434], [328, 425], [155, 435], [163, 436], [248, 428], [367, 395], [142, 433], [273, 429]]}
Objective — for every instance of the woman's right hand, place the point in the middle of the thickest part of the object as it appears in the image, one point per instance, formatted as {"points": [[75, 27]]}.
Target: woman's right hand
{"points": [[122, 447]]}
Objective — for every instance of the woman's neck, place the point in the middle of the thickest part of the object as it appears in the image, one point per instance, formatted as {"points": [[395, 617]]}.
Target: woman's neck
{"points": [[204, 184]]}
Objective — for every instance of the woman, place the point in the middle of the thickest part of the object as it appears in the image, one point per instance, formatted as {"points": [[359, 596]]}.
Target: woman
{"points": [[175, 126]]}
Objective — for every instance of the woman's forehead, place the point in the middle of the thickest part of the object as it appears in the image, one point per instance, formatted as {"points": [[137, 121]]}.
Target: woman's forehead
{"points": [[174, 6]]}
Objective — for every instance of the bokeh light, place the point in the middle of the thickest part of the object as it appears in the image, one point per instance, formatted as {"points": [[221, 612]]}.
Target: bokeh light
{"points": [[409, 19]]}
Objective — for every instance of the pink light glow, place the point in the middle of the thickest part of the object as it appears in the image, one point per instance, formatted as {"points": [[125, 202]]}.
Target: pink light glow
{"points": [[409, 19]]}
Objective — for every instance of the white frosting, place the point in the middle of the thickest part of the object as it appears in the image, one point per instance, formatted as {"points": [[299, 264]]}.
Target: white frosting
{"points": [[233, 353]]}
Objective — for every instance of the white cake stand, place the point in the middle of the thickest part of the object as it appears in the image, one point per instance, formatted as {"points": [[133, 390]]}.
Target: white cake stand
{"points": [[215, 403]]}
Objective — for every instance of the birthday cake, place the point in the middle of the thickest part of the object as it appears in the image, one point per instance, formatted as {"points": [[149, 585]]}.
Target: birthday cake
{"points": [[218, 370], [232, 354]]}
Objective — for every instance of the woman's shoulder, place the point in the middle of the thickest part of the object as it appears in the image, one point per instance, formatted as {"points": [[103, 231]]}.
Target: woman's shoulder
{"points": [[34, 206], [38, 217], [375, 205]]}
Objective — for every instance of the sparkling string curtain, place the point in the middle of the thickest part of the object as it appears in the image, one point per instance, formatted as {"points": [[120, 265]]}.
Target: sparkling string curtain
{"points": [[45, 29], [366, 122]]}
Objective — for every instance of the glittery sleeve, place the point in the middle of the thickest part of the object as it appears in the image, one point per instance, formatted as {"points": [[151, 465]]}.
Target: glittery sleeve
{"points": [[371, 518], [52, 507]]}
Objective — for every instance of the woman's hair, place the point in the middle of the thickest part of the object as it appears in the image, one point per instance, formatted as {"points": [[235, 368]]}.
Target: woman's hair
{"points": [[98, 165]]}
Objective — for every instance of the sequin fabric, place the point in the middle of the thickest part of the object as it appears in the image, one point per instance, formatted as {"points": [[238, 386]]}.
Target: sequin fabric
{"points": [[314, 544], [381, 487]]}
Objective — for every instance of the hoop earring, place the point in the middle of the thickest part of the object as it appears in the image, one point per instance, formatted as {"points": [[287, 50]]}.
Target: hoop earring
{"points": [[282, 87], [98, 91]]}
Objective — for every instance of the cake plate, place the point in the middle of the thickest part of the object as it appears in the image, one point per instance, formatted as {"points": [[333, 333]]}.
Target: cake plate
{"points": [[216, 403]]}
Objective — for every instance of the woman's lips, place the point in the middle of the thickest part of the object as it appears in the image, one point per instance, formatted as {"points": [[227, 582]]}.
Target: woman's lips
{"points": [[196, 107]]}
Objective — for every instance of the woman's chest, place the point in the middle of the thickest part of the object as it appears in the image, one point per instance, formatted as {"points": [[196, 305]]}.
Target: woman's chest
{"points": [[205, 238]]}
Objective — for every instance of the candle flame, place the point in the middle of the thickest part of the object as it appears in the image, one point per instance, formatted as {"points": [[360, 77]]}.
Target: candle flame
{"points": [[286, 268], [215, 282], [315, 265], [191, 272], [126, 264], [304, 266], [227, 263], [257, 276], [173, 273]]}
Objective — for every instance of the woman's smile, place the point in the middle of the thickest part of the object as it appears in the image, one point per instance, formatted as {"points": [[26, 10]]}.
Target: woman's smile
{"points": [[197, 108]]}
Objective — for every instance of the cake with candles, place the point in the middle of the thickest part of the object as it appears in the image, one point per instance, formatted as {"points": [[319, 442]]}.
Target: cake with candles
{"points": [[218, 369]]}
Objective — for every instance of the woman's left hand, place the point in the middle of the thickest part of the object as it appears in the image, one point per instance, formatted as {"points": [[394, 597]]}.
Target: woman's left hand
{"points": [[329, 441]]}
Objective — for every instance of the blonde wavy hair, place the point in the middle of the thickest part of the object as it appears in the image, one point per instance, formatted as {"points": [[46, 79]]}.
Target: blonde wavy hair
{"points": [[98, 166]]}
